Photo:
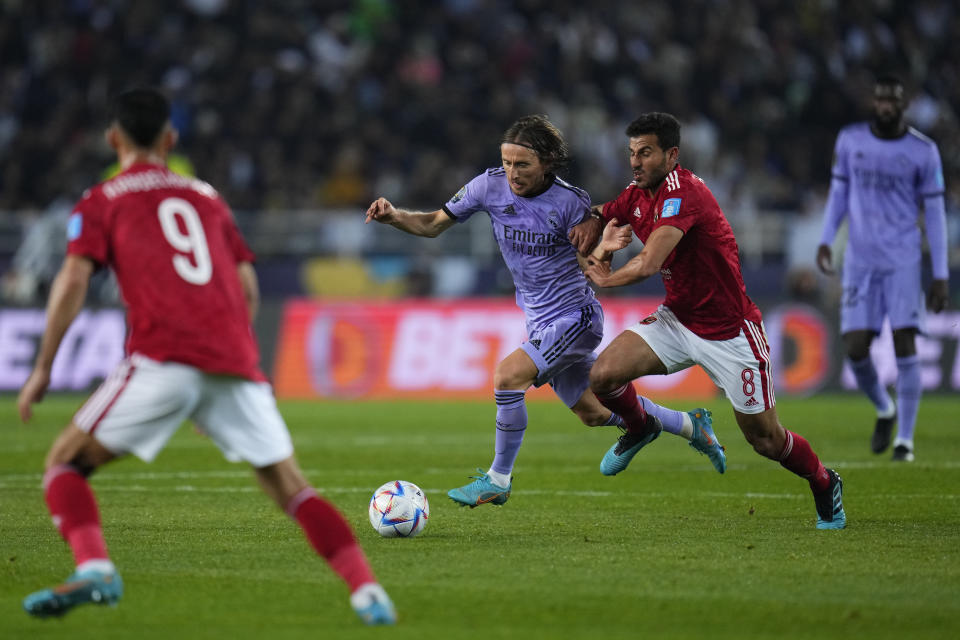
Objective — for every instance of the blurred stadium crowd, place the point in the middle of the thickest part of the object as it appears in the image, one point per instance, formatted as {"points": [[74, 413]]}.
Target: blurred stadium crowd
{"points": [[303, 105]]}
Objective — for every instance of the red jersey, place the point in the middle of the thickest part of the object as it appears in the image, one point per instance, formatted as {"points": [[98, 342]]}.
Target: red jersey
{"points": [[174, 246], [702, 276]]}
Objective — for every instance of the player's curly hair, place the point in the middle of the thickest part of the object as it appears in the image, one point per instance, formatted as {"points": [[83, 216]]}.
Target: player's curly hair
{"points": [[537, 133], [889, 80], [663, 125], [892, 83]]}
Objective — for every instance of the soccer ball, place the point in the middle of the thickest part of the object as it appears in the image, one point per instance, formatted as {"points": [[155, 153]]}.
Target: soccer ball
{"points": [[399, 509]]}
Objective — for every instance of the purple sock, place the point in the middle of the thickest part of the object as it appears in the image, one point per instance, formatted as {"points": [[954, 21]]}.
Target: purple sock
{"points": [[869, 382], [672, 420], [511, 423], [614, 421], [909, 389]]}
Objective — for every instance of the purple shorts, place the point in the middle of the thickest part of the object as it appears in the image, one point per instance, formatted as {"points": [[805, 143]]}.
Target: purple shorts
{"points": [[869, 295], [563, 351]]}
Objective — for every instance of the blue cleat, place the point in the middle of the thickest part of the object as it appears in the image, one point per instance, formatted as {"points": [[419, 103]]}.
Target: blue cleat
{"points": [[97, 587], [480, 491], [830, 513], [621, 453], [373, 605], [704, 439]]}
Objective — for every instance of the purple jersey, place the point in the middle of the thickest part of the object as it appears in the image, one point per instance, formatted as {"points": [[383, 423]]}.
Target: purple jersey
{"points": [[880, 184], [532, 234]]}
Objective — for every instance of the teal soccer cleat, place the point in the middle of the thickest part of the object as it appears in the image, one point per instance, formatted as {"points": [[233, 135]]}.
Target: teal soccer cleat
{"points": [[704, 439], [480, 491], [373, 605], [830, 513], [628, 445], [92, 586]]}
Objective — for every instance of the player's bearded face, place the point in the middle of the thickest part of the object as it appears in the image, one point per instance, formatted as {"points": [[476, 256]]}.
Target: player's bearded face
{"points": [[525, 173], [888, 105], [649, 162]]}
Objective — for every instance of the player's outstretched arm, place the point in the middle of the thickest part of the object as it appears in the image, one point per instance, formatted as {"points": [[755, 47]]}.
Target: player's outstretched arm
{"points": [[648, 262], [67, 294], [615, 237], [419, 223]]}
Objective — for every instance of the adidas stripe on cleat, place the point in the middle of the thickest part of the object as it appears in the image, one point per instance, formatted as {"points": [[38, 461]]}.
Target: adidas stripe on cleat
{"points": [[830, 513]]}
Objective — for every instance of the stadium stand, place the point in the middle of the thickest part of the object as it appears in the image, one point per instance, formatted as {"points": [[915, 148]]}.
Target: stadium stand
{"points": [[317, 107]]}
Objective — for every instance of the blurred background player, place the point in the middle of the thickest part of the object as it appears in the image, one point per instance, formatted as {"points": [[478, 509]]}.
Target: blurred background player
{"points": [[706, 318], [882, 171], [191, 292], [540, 223]]}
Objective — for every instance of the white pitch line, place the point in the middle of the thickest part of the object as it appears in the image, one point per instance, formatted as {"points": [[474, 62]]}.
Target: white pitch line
{"points": [[135, 488], [108, 476], [885, 463]]}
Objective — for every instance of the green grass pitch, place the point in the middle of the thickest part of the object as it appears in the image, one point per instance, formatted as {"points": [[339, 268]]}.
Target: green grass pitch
{"points": [[667, 549]]}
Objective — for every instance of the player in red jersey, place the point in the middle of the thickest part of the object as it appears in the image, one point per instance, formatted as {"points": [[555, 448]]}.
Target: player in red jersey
{"points": [[190, 289], [706, 318]]}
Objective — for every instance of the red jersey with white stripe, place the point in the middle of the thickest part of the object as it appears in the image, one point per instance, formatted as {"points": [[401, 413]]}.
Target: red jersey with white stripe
{"points": [[705, 289], [174, 246]]}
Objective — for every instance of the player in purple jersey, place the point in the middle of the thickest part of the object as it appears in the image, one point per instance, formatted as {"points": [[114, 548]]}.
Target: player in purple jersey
{"points": [[538, 220], [882, 171]]}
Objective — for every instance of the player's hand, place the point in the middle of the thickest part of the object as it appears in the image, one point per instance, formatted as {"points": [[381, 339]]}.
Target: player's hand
{"points": [[616, 237], [584, 236], [938, 296], [380, 210], [825, 259], [33, 391], [597, 271]]}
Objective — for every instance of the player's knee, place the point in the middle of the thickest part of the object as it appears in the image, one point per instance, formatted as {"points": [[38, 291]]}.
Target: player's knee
{"points": [[765, 445], [856, 346], [904, 343], [763, 432], [856, 355], [857, 351], [593, 418], [77, 449], [603, 378], [506, 381]]}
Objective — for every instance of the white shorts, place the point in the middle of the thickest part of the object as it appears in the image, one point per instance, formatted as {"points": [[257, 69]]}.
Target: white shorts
{"points": [[143, 402], [740, 366]]}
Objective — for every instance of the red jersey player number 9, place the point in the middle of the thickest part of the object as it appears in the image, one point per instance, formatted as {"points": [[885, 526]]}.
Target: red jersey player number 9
{"points": [[199, 270]]}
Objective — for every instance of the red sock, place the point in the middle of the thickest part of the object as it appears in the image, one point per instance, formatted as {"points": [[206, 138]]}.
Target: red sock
{"points": [[624, 403], [797, 456], [74, 511], [331, 536]]}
